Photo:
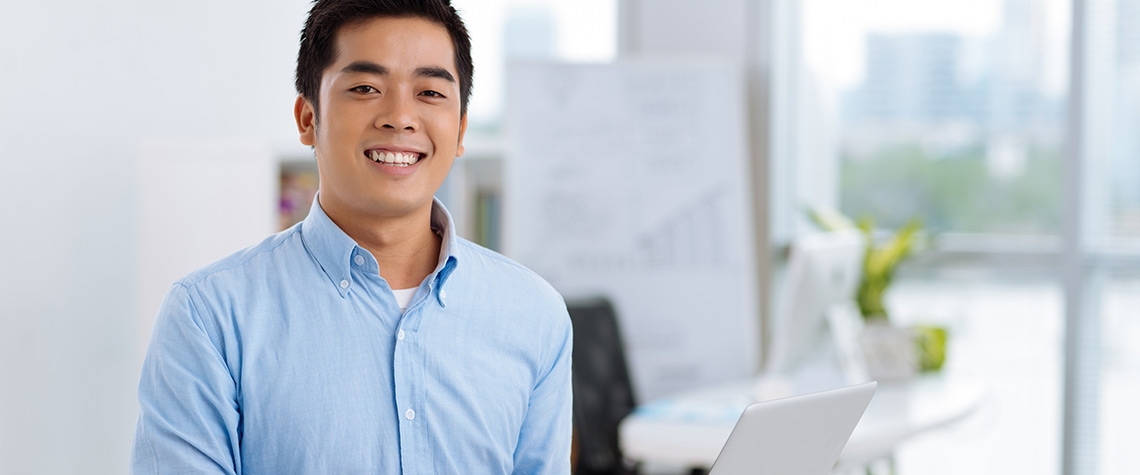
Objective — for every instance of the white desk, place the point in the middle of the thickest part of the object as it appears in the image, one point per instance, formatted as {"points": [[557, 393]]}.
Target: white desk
{"points": [[689, 430]]}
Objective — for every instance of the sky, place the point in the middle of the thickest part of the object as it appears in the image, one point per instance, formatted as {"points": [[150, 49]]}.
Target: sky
{"points": [[834, 31]]}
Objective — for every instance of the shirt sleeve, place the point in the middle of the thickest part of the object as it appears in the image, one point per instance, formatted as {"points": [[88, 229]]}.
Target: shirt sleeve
{"points": [[188, 412], [544, 441]]}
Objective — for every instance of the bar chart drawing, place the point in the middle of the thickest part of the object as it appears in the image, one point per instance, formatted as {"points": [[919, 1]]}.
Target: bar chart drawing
{"points": [[630, 180]]}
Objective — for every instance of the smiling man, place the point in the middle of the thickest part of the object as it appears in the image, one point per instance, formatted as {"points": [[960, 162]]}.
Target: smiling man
{"points": [[369, 338]]}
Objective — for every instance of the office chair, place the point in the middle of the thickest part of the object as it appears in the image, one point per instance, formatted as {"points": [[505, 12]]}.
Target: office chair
{"points": [[603, 392]]}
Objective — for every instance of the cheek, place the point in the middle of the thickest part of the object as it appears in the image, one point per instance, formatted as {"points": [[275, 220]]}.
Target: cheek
{"points": [[448, 133], [334, 137]]}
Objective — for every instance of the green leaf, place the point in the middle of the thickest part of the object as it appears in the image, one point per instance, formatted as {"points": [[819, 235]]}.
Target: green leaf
{"points": [[829, 219], [931, 342], [880, 260]]}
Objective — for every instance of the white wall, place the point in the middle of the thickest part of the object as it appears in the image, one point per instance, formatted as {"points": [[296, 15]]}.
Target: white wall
{"points": [[83, 85]]}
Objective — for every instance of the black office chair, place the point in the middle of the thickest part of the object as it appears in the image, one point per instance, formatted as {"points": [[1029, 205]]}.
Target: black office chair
{"points": [[603, 392]]}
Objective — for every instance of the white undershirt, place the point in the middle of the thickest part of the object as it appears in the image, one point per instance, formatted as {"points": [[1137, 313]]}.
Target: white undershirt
{"points": [[404, 296]]}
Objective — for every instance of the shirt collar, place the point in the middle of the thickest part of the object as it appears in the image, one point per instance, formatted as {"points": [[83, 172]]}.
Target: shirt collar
{"points": [[333, 249], [443, 224]]}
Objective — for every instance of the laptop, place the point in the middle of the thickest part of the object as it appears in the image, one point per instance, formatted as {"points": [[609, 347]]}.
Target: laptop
{"points": [[799, 435]]}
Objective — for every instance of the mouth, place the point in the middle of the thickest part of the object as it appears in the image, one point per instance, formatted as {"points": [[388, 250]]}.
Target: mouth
{"points": [[395, 159]]}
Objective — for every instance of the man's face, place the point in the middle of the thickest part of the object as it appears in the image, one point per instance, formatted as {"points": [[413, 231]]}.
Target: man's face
{"points": [[389, 127]]}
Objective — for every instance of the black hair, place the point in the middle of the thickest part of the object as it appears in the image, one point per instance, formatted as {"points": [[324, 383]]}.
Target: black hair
{"points": [[327, 17]]}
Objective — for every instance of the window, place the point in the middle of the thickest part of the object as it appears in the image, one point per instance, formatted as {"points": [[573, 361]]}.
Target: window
{"points": [[949, 111], [954, 112], [1103, 252], [962, 113]]}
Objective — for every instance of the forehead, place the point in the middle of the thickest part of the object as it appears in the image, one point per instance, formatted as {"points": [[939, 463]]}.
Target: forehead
{"points": [[394, 42]]}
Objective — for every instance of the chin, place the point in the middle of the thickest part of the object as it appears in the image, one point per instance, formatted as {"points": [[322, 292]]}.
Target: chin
{"points": [[398, 207]]}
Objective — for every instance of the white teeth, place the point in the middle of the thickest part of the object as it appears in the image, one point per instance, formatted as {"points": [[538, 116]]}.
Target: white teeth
{"points": [[393, 158]]}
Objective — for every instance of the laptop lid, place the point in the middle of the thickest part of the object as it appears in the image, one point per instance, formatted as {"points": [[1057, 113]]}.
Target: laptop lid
{"points": [[799, 435]]}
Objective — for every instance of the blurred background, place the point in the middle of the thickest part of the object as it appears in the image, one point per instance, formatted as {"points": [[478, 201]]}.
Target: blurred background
{"points": [[143, 140]]}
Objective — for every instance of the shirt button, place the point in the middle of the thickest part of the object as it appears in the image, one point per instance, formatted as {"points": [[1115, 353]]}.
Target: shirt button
{"points": [[400, 335], [359, 260], [344, 284], [442, 294], [410, 414]]}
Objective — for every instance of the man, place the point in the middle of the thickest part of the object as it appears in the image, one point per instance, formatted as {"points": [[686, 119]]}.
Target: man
{"points": [[369, 338]]}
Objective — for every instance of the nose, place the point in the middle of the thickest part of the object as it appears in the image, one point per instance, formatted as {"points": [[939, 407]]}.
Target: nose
{"points": [[398, 113]]}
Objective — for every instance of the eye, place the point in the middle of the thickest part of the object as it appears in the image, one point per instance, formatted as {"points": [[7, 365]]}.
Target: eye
{"points": [[431, 93], [364, 89]]}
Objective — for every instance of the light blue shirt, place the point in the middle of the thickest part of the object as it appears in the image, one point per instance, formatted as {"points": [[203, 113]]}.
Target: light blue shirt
{"points": [[292, 356]]}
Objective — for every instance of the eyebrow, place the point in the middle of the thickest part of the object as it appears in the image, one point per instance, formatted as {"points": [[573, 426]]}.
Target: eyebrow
{"points": [[434, 72], [368, 67]]}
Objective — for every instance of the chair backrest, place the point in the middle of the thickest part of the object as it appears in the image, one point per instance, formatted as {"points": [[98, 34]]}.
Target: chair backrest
{"points": [[603, 392]]}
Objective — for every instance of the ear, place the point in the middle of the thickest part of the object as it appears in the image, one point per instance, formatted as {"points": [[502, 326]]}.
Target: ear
{"points": [[462, 130], [306, 120]]}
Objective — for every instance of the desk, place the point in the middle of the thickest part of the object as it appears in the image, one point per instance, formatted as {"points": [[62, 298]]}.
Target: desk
{"points": [[690, 429]]}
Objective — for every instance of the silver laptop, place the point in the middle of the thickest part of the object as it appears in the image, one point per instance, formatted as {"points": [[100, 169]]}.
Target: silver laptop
{"points": [[800, 435]]}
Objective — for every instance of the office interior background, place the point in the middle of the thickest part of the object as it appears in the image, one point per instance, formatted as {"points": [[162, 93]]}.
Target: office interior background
{"points": [[1009, 127]]}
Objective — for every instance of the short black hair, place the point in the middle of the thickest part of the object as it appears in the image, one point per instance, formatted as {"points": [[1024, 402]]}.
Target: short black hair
{"points": [[327, 17]]}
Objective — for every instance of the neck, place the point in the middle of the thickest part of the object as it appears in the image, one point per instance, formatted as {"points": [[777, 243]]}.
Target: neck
{"points": [[405, 247]]}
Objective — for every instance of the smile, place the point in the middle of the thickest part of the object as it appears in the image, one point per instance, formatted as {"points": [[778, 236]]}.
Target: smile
{"points": [[396, 159]]}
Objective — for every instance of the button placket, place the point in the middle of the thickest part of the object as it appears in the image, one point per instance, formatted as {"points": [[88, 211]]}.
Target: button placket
{"points": [[409, 391]]}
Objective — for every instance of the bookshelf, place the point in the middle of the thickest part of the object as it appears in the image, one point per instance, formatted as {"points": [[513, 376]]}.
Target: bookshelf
{"points": [[474, 189], [297, 185]]}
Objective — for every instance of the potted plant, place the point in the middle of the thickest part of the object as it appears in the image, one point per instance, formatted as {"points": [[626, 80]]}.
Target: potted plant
{"points": [[883, 255]]}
